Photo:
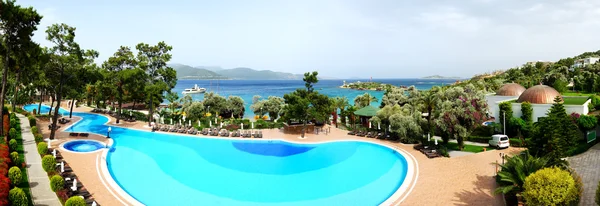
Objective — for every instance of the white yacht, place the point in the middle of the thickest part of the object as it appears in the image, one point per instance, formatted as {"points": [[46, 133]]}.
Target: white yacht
{"points": [[195, 90]]}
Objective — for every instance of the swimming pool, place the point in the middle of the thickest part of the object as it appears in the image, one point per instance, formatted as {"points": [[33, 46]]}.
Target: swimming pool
{"points": [[83, 145], [171, 169], [44, 109]]}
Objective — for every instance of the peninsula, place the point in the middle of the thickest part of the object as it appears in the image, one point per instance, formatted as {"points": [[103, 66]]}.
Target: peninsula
{"points": [[439, 77], [358, 85]]}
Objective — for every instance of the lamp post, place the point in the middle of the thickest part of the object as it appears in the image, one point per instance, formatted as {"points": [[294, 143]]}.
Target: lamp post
{"points": [[109, 130], [504, 122]]}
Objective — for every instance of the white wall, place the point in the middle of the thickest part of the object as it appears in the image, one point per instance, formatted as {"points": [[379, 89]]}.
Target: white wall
{"points": [[539, 110], [493, 101]]}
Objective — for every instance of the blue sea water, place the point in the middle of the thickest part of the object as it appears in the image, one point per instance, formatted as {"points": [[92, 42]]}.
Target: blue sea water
{"points": [[171, 169], [248, 88]]}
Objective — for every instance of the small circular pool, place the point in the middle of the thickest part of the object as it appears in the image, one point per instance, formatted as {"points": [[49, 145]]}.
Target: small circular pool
{"points": [[83, 145]]}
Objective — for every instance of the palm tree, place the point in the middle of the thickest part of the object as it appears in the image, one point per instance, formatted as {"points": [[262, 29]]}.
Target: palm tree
{"points": [[429, 101], [340, 103], [516, 169], [350, 113], [364, 100]]}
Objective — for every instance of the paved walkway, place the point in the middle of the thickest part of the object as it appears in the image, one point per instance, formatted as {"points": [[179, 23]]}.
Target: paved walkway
{"points": [[587, 165], [38, 178]]}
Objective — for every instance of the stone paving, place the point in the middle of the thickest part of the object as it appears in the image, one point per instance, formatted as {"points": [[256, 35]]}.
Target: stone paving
{"points": [[38, 178], [587, 165]]}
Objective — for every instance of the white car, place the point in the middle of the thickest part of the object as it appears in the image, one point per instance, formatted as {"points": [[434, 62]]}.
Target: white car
{"points": [[499, 141]]}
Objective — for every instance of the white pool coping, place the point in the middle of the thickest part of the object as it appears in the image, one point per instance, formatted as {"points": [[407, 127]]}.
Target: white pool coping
{"points": [[410, 180]]}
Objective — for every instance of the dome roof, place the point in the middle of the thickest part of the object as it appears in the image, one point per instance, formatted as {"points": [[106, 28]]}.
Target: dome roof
{"points": [[539, 94], [510, 89]]}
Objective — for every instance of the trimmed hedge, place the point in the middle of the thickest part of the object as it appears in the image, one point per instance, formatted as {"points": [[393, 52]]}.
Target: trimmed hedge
{"points": [[34, 130], [17, 197], [14, 157], [32, 121], [550, 186], [38, 137], [57, 183], [480, 139], [75, 201], [42, 148], [15, 176], [49, 163], [516, 142], [12, 133], [12, 144], [598, 194]]}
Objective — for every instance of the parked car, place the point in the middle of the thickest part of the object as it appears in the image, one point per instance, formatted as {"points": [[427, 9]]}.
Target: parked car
{"points": [[499, 141]]}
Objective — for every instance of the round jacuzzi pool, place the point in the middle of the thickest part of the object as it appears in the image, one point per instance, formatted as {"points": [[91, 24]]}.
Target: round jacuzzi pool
{"points": [[83, 145]]}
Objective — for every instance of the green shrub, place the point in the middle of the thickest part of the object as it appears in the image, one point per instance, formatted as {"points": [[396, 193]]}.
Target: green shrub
{"points": [[14, 157], [516, 142], [34, 130], [598, 194], [595, 101], [480, 139], [550, 186], [13, 123], [527, 112], [12, 133], [17, 197], [32, 121], [48, 163], [15, 176], [38, 137], [587, 122], [42, 148], [75, 201], [12, 144], [57, 183], [444, 151]]}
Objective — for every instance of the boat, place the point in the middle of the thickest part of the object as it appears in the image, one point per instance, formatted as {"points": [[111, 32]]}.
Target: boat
{"points": [[195, 90]]}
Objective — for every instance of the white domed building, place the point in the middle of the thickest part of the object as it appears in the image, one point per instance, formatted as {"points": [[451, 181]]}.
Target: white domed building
{"points": [[541, 98]]}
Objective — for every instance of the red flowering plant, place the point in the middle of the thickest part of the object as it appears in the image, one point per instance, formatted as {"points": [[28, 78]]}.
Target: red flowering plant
{"points": [[462, 111]]}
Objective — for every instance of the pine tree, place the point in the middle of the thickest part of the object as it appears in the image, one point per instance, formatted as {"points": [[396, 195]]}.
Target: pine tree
{"points": [[555, 134]]}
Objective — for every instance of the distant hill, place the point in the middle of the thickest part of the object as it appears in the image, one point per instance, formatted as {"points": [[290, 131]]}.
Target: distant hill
{"points": [[247, 73], [439, 77], [188, 72], [210, 68]]}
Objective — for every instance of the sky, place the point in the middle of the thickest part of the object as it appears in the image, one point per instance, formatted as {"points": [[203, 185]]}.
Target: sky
{"points": [[338, 38]]}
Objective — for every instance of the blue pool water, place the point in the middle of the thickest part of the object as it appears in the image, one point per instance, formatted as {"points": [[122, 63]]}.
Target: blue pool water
{"points": [[170, 169], [83, 145], [44, 109]]}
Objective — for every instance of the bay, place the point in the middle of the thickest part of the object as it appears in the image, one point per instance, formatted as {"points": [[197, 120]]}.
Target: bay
{"points": [[265, 88]]}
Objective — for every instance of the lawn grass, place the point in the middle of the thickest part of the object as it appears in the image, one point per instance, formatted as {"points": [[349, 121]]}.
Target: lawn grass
{"points": [[574, 100], [467, 148], [24, 185], [577, 94]]}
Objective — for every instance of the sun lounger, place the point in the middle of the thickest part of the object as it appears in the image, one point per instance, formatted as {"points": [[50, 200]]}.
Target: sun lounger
{"points": [[360, 134], [258, 134], [224, 133], [84, 134], [352, 133], [73, 134], [205, 131]]}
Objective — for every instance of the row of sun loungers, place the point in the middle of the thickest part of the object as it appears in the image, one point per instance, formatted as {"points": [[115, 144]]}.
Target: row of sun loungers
{"points": [[368, 134], [74, 134], [114, 114], [430, 152], [63, 120], [72, 185]]}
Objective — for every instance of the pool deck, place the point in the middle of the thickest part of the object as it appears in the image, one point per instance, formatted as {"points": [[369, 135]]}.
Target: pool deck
{"points": [[466, 180]]}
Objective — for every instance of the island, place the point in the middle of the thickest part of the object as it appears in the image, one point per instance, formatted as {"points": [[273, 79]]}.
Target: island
{"points": [[358, 85], [439, 77]]}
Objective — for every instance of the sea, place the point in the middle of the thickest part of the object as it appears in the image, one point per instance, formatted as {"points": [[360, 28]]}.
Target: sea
{"points": [[265, 88]]}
